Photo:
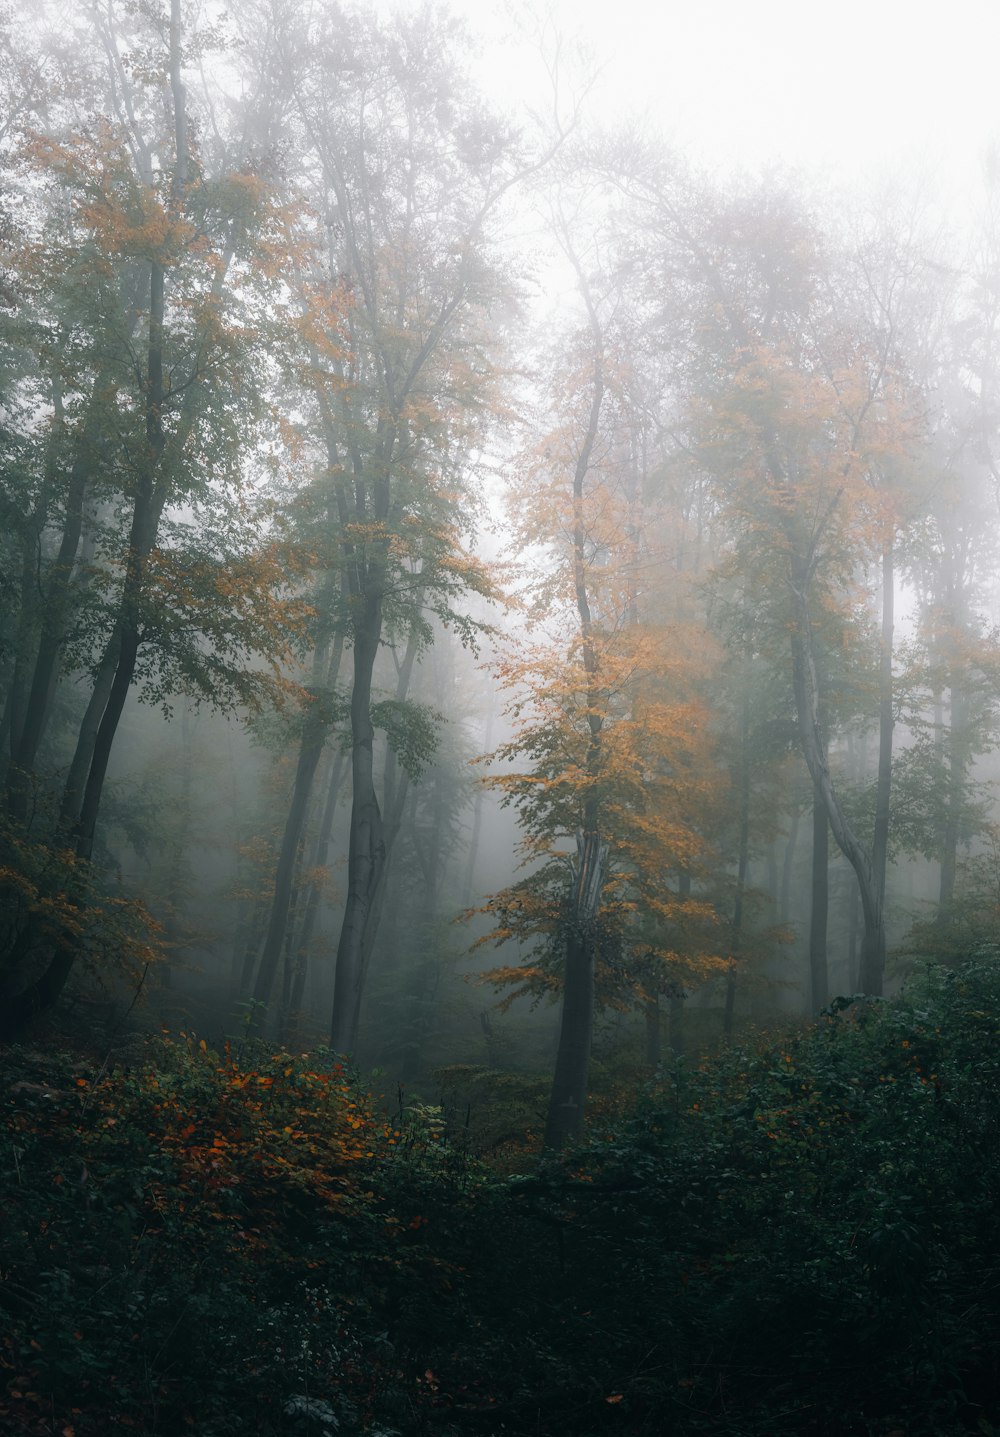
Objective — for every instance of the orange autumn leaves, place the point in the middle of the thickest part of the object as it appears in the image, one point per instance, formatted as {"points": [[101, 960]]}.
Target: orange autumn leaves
{"points": [[236, 1133], [607, 704], [659, 790]]}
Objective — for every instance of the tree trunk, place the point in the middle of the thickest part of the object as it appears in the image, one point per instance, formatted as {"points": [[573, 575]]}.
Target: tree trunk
{"points": [[86, 738], [742, 858], [787, 865], [43, 992], [477, 814], [314, 733], [428, 968], [395, 788], [57, 599], [311, 747], [806, 686], [819, 981], [873, 949], [173, 930], [366, 851], [252, 943], [287, 1015], [569, 1085], [124, 644], [676, 994], [315, 888], [21, 1009], [18, 777], [956, 759], [853, 964]]}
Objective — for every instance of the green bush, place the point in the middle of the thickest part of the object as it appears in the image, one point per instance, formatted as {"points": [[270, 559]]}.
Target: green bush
{"points": [[796, 1237], [198, 1244]]}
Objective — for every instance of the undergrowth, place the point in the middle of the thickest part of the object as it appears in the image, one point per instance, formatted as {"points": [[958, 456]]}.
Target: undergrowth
{"points": [[796, 1237]]}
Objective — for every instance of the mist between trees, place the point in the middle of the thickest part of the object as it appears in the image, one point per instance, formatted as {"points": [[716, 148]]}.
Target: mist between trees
{"points": [[361, 615]]}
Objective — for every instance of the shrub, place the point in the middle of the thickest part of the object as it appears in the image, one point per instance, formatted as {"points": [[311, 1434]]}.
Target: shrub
{"points": [[796, 1237], [195, 1239]]}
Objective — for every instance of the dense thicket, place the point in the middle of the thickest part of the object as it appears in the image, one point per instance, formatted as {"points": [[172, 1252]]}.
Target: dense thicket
{"points": [[797, 1237]]}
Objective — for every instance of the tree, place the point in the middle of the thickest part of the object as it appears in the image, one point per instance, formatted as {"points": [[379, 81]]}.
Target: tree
{"points": [[803, 417], [408, 171], [611, 741], [141, 435], [952, 566]]}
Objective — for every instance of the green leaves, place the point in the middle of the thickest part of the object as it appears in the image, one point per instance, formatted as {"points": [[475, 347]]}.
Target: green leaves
{"points": [[735, 1238], [241, 1192], [411, 731]]}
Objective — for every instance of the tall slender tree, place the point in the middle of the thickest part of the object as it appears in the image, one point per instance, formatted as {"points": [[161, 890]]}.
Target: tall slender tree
{"points": [[157, 409], [408, 170]]}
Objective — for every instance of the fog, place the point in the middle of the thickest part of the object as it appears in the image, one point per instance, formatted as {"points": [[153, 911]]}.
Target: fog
{"points": [[499, 556]]}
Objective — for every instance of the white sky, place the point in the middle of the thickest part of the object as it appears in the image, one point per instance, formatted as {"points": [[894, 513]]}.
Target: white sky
{"points": [[836, 86]]}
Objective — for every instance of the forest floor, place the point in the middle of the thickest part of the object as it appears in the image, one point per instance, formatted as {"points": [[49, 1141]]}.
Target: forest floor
{"points": [[797, 1236]]}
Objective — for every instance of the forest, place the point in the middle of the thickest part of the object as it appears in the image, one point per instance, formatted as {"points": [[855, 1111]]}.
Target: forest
{"points": [[499, 687]]}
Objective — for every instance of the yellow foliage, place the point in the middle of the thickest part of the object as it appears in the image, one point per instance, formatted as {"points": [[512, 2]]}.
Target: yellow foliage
{"points": [[611, 732]]}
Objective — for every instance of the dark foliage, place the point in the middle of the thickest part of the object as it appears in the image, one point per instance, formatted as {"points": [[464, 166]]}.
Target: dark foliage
{"points": [[793, 1238]]}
